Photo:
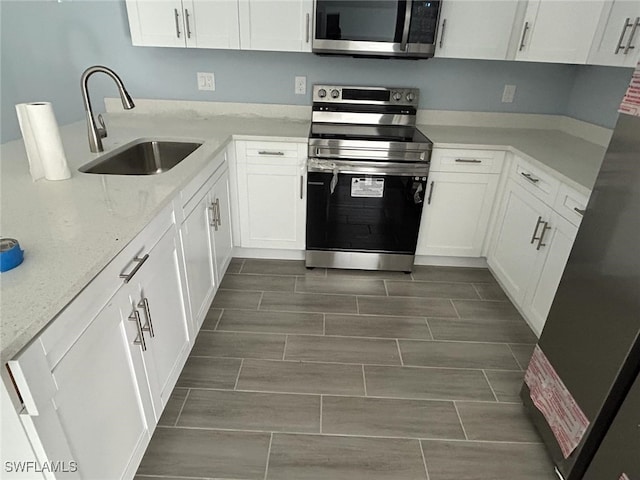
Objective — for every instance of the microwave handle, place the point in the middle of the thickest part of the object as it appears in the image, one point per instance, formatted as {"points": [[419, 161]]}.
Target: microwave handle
{"points": [[407, 24]]}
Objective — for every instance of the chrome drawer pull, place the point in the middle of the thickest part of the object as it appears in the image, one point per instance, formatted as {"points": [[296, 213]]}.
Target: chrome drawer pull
{"points": [[468, 160], [148, 327], [267, 152], [128, 276], [529, 177], [524, 35], [579, 210], [135, 317]]}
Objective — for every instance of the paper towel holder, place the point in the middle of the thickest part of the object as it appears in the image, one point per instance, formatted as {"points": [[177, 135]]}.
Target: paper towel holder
{"points": [[96, 134]]}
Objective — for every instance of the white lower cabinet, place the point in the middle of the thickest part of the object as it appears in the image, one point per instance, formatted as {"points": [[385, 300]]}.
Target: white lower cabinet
{"points": [[271, 185], [222, 228]]}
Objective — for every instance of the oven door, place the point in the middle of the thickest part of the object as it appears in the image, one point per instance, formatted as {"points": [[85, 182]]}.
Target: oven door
{"points": [[364, 207], [403, 28]]}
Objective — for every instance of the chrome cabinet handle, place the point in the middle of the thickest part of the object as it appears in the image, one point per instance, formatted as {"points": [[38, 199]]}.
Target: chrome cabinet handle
{"points": [[430, 192], [268, 152], [579, 210], [212, 208], [301, 187], [135, 317], [529, 177], [468, 160], [218, 215], [524, 36], [177, 17], [148, 326], [620, 46], [186, 17], [444, 26], [540, 240], [128, 276], [307, 28], [407, 22], [535, 230], [636, 24]]}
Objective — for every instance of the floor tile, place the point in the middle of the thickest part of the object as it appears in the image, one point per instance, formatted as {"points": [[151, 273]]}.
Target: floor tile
{"points": [[506, 385], [271, 412], [478, 309], [308, 302], [486, 461], [427, 383], [272, 283], [206, 372], [490, 291], [376, 326], [505, 422], [173, 407], [211, 319], [236, 299], [409, 306], [390, 417], [271, 322], [452, 274], [342, 349], [235, 265], [481, 330], [432, 290], [238, 345], [279, 267], [206, 453], [313, 457], [457, 354], [340, 285], [301, 377], [523, 352]]}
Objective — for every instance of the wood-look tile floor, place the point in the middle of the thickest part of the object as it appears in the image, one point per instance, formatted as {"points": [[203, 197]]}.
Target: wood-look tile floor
{"points": [[332, 374]]}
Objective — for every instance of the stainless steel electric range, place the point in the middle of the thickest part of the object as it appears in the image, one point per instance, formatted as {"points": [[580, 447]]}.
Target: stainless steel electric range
{"points": [[367, 175]]}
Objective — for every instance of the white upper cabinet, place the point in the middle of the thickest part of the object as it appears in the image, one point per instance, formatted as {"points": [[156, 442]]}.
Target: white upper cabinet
{"points": [[472, 29], [558, 31], [617, 39], [283, 25], [186, 23]]}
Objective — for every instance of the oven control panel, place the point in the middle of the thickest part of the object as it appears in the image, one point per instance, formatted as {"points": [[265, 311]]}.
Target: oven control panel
{"points": [[366, 95]]}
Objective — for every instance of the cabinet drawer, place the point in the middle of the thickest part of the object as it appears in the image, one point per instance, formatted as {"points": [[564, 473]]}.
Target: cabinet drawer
{"points": [[467, 161], [541, 184], [265, 151], [570, 204]]}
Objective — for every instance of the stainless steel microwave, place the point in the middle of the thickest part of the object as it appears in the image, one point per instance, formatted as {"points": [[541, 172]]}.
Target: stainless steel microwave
{"points": [[378, 28]]}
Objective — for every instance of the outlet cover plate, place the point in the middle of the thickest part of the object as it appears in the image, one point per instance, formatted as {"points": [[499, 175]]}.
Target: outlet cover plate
{"points": [[206, 81], [508, 93], [301, 85]]}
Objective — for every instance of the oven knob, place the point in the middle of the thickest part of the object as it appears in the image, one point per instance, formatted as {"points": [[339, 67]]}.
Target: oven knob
{"points": [[397, 96], [410, 97], [322, 93], [335, 93]]}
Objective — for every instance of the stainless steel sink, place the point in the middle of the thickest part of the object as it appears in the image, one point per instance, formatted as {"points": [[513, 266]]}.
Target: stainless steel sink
{"points": [[141, 157]]}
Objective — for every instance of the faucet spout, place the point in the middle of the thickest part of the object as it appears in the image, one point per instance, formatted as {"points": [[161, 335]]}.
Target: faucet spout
{"points": [[96, 134]]}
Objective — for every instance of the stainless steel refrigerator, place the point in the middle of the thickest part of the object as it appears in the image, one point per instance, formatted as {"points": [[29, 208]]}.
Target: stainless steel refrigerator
{"points": [[592, 335]]}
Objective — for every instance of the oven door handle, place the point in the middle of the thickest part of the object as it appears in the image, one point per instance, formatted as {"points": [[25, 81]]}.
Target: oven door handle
{"points": [[407, 24], [371, 168]]}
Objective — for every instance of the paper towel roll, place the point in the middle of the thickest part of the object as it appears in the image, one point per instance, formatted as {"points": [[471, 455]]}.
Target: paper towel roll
{"points": [[42, 141]]}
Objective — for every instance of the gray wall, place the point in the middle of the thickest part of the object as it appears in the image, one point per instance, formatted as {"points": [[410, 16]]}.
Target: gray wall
{"points": [[45, 46]]}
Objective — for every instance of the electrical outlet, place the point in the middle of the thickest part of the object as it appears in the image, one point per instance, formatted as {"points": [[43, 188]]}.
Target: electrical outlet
{"points": [[206, 81], [301, 85], [508, 93]]}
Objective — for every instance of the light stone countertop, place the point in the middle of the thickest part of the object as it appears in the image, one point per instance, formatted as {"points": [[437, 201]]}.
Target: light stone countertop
{"points": [[70, 230]]}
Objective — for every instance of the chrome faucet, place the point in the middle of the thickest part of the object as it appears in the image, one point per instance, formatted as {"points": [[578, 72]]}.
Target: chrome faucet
{"points": [[96, 134]]}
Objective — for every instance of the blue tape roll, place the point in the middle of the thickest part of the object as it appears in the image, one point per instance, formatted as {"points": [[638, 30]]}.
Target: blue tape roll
{"points": [[10, 254]]}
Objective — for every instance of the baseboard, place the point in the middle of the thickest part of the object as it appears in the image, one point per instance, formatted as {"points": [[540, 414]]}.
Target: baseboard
{"points": [[270, 253], [475, 262]]}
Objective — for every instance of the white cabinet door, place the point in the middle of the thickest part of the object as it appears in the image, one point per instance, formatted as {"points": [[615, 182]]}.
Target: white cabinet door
{"points": [[514, 251], [456, 214], [472, 29], [617, 40], [212, 23], [271, 194], [157, 23], [197, 246], [223, 243], [558, 31], [283, 25], [159, 299], [548, 270]]}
